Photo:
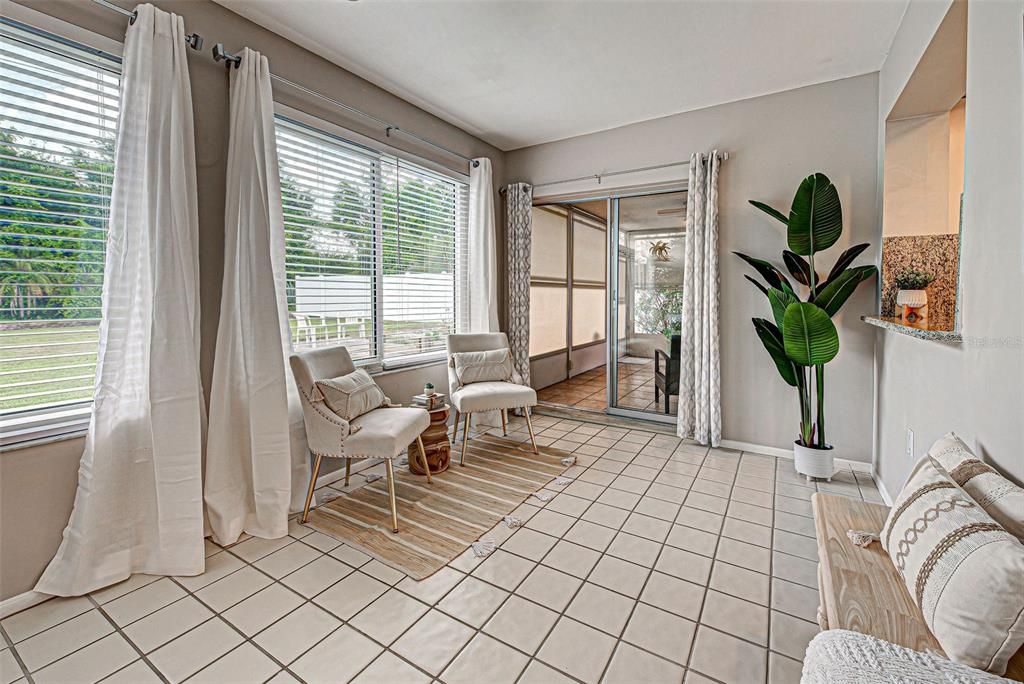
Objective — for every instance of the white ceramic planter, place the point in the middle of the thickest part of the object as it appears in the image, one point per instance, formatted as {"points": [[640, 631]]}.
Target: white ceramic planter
{"points": [[811, 462], [915, 299]]}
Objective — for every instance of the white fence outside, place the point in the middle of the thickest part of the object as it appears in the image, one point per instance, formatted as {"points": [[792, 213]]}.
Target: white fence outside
{"points": [[420, 297]]}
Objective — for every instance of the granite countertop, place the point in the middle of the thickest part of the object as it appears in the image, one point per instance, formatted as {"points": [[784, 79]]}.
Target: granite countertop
{"points": [[922, 331]]}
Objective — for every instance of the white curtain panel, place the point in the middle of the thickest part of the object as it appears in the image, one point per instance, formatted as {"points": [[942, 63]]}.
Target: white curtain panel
{"points": [[483, 276], [248, 461], [519, 237], [138, 507], [700, 412]]}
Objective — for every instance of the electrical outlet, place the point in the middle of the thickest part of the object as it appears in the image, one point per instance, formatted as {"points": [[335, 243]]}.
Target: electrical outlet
{"points": [[910, 444]]}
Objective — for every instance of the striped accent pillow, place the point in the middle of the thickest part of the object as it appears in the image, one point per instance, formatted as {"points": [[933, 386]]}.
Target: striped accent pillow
{"points": [[351, 395], [1001, 499], [964, 571], [482, 366]]}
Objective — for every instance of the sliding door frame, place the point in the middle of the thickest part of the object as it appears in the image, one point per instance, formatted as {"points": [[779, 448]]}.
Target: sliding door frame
{"points": [[612, 198]]}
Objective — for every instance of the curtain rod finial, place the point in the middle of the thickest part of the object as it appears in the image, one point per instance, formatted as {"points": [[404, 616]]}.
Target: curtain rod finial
{"points": [[220, 54]]}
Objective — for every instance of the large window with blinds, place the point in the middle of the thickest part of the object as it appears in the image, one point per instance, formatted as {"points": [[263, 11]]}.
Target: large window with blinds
{"points": [[58, 116], [375, 248]]}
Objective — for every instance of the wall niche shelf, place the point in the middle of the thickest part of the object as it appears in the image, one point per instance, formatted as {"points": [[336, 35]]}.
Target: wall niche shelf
{"points": [[898, 325]]}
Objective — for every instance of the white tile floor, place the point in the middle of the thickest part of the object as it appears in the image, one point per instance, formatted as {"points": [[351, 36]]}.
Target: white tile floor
{"points": [[661, 562]]}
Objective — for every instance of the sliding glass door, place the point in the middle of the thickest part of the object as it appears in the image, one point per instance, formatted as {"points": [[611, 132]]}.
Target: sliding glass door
{"points": [[645, 264]]}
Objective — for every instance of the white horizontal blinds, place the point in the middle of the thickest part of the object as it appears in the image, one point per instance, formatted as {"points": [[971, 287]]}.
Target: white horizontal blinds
{"points": [[424, 215], [330, 191], [58, 118]]}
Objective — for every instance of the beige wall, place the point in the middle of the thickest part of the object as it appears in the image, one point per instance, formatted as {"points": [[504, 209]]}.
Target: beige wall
{"points": [[975, 388], [37, 484], [917, 184], [774, 141]]}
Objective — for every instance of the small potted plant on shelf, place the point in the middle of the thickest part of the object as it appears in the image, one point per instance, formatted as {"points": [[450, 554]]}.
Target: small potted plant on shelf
{"points": [[801, 338], [428, 389], [911, 294]]}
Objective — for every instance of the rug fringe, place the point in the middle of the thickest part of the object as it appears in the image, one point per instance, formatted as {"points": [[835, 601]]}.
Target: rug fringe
{"points": [[483, 548]]}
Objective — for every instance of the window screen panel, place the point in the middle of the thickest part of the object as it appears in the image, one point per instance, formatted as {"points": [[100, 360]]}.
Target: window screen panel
{"points": [[588, 315], [549, 308], [549, 244], [588, 252], [59, 105]]}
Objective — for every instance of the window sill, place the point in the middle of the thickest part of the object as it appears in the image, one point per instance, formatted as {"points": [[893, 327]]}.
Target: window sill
{"points": [[898, 325], [410, 363], [44, 427]]}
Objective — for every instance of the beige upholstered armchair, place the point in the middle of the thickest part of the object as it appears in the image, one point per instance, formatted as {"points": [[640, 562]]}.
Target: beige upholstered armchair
{"points": [[382, 433], [486, 396]]}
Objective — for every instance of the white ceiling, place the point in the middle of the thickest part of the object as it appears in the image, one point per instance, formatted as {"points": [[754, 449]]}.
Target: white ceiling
{"points": [[519, 73]]}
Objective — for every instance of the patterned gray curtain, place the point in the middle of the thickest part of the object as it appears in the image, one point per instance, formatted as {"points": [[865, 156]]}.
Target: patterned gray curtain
{"points": [[700, 414], [519, 232]]}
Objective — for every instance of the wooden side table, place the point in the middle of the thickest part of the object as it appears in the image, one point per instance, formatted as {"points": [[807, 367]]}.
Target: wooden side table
{"points": [[435, 443]]}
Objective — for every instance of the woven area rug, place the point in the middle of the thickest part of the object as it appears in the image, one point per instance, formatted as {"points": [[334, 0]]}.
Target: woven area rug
{"points": [[438, 522]]}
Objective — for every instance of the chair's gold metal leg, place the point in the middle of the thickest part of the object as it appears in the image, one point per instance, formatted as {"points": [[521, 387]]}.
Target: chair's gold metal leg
{"points": [[529, 424], [391, 495], [312, 486], [504, 423], [455, 428], [423, 457], [465, 438], [348, 470]]}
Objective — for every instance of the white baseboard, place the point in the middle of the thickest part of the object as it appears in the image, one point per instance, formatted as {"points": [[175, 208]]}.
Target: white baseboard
{"points": [[18, 603], [858, 466], [757, 448], [882, 490]]}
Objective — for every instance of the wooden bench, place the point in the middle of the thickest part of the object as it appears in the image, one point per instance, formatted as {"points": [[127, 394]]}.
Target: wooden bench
{"points": [[860, 588]]}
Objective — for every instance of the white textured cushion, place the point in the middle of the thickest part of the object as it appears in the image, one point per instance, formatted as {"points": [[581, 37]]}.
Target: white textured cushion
{"points": [[491, 396], [483, 366], [839, 656], [352, 395], [1001, 499], [964, 571], [385, 432]]}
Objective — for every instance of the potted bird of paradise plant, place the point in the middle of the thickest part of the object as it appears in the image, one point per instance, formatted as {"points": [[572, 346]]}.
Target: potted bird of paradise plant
{"points": [[801, 337]]}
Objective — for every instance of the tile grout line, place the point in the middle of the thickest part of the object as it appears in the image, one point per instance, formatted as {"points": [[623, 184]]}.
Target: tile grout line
{"points": [[603, 488]]}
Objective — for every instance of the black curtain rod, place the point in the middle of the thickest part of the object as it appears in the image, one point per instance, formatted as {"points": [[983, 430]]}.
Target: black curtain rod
{"points": [[193, 40]]}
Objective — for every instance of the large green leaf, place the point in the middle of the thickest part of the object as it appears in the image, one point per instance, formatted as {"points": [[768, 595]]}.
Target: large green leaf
{"points": [[845, 259], [839, 288], [771, 211], [771, 338], [773, 276], [780, 301], [808, 334], [816, 217], [799, 268]]}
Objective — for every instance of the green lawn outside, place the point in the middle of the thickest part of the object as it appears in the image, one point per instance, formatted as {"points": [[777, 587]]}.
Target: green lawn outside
{"points": [[65, 358], [46, 366]]}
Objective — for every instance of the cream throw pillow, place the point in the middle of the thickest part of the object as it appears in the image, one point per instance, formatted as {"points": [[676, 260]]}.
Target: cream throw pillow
{"points": [[352, 395], [483, 366], [964, 571], [1001, 499]]}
